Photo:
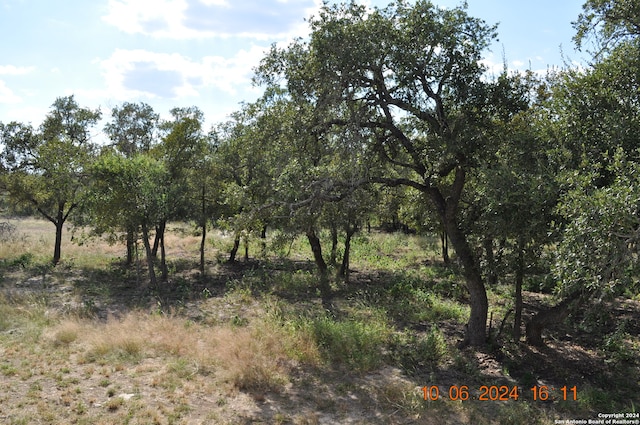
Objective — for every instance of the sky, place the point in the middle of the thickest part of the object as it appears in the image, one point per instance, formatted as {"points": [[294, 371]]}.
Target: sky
{"points": [[180, 53]]}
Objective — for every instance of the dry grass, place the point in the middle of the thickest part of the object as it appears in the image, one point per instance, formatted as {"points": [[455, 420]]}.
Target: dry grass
{"points": [[255, 357], [239, 354], [37, 237]]}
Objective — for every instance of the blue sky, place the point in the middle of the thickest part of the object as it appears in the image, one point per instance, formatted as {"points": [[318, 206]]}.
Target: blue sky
{"points": [[171, 53]]}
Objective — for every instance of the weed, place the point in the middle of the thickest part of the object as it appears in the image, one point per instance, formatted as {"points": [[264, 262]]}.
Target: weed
{"points": [[80, 408], [66, 333], [415, 354], [354, 343], [595, 399], [8, 370], [114, 403], [616, 348], [400, 396]]}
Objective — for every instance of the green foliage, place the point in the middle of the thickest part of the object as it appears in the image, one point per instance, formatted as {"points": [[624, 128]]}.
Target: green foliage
{"points": [[356, 344], [412, 299], [133, 128], [616, 347], [609, 21], [127, 191], [23, 260], [45, 168], [597, 252]]}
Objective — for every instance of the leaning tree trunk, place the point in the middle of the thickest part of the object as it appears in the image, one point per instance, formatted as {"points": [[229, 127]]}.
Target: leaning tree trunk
{"points": [[158, 238], [476, 332], [477, 325], [316, 248], [234, 249]]}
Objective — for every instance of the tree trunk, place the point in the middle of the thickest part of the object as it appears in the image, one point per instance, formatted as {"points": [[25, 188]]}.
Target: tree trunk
{"points": [[156, 243], [57, 249], [517, 320], [444, 242], [476, 334], [130, 247], [234, 250], [316, 248], [477, 325], [158, 237], [492, 274], [147, 246], [163, 259], [334, 244], [263, 241], [246, 249], [344, 267]]}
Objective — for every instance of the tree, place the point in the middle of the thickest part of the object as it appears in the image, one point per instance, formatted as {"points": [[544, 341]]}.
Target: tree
{"points": [[133, 130], [129, 192], [205, 185], [517, 195], [410, 75], [610, 22], [594, 124], [46, 168], [181, 148]]}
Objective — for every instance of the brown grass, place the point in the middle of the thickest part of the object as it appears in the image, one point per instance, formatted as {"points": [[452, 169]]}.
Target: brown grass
{"points": [[255, 357]]}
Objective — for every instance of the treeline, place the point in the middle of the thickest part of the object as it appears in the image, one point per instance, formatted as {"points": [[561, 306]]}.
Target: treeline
{"points": [[386, 114]]}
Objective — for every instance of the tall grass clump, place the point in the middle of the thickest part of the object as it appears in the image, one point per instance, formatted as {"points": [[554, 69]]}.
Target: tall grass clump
{"points": [[412, 300], [356, 344], [7, 313], [417, 353]]}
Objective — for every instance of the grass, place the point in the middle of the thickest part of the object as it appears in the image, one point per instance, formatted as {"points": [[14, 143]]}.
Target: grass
{"points": [[253, 343]]}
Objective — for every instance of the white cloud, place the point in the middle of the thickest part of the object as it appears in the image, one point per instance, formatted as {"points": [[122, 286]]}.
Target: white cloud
{"points": [[15, 70], [7, 95], [141, 73], [192, 19]]}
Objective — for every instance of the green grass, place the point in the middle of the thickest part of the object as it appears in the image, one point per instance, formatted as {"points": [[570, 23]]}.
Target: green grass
{"points": [[417, 354], [355, 344]]}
